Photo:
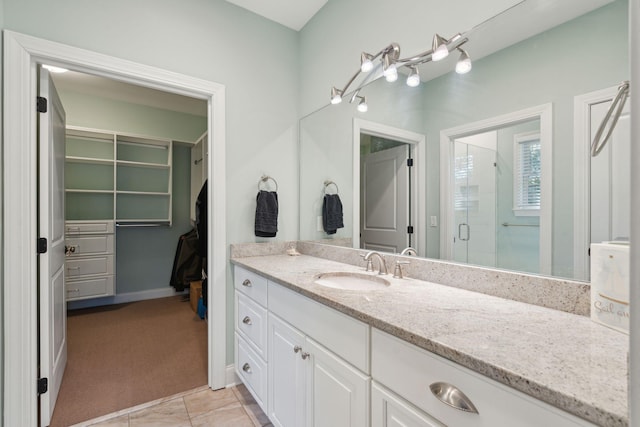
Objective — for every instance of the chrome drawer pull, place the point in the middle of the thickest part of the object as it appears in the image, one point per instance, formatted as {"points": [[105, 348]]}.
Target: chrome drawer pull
{"points": [[73, 290], [297, 349], [305, 355], [246, 283], [246, 320], [246, 368], [73, 268], [452, 396]]}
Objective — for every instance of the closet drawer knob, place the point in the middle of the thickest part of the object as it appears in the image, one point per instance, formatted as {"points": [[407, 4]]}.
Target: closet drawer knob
{"points": [[297, 349], [246, 368], [452, 396], [305, 355], [246, 320], [246, 283]]}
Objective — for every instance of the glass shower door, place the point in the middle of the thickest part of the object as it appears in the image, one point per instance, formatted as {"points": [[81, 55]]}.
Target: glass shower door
{"points": [[475, 199]]}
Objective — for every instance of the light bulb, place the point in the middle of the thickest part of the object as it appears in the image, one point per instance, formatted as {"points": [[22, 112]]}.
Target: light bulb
{"points": [[439, 48], [463, 65], [391, 73], [336, 96], [413, 79], [365, 63], [362, 105]]}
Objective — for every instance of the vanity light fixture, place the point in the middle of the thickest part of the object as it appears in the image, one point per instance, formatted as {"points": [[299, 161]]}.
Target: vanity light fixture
{"points": [[414, 77], [336, 96], [391, 63], [463, 65]]}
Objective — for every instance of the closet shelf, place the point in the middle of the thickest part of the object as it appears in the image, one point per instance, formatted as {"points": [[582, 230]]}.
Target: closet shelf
{"points": [[88, 160], [144, 193], [142, 164], [79, 190]]}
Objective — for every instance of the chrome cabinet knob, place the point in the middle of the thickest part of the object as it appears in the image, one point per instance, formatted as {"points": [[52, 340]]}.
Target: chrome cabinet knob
{"points": [[305, 355], [246, 283], [246, 368], [297, 349], [246, 320]]}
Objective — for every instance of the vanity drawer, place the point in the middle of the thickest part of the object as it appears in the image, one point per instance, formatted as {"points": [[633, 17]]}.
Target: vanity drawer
{"points": [[89, 288], [409, 371], [251, 284], [76, 267], [89, 227], [252, 370], [343, 335], [89, 245], [251, 322]]}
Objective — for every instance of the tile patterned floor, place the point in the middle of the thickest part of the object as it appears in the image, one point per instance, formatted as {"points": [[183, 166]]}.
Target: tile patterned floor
{"points": [[202, 407]]}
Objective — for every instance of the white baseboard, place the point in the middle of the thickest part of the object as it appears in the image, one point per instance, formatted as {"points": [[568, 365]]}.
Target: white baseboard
{"points": [[124, 298], [231, 377]]}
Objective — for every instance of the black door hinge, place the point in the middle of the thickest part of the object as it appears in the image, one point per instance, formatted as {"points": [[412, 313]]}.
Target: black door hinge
{"points": [[409, 162], [41, 104], [589, 252], [410, 229], [43, 385], [41, 246]]}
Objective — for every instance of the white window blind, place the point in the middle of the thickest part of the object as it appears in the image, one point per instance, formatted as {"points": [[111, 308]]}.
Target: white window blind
{"points": [[526, 174]]}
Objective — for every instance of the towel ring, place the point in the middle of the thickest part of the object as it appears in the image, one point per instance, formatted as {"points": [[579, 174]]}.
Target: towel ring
{"points": [[328, 183], [266, 178]]}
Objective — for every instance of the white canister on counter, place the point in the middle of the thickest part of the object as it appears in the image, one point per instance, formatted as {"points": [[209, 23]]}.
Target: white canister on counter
{"points": [[610, 284]]}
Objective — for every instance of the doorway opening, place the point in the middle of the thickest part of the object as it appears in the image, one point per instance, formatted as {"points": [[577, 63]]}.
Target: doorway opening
{"points": [[22, 54]]}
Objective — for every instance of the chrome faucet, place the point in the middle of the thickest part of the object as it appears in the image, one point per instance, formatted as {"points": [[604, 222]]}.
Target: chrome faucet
{"points": [[382, 265], [409, 251]]}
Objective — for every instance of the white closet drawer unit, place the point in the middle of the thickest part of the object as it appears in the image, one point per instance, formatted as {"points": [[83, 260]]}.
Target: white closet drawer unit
{"points": [[76, 267], [89, 288], [252, 370], [89, 245], [390, 410], [409, 371], [251, 285], [343, 335], [251, 322], [88, 227]]}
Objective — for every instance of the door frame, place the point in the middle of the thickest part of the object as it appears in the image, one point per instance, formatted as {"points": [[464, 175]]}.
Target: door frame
{"points": [[543, 112], [417, 142], [21, 55], [581, 176]]}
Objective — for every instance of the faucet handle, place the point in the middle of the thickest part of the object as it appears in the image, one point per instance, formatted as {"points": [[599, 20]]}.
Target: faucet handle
{"points": [[397, 272], [369, 263]]}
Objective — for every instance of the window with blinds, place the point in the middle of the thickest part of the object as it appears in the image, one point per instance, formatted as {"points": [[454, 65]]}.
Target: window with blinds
{"points": [[526, 174]]}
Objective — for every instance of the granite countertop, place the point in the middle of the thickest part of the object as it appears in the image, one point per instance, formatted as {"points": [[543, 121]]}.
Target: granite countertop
{"points": [[563, 359]]}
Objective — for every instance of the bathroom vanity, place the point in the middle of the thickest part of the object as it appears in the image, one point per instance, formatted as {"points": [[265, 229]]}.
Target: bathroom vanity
{"points": [[416, 353]]}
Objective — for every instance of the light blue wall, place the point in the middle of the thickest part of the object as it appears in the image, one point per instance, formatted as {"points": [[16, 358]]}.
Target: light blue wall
{"points": [[256, 59]]}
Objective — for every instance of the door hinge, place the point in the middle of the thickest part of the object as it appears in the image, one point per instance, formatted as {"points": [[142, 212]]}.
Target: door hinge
{"points": [[409, 162], [589, 252], [41, 104], [41, 245], [410, 229], [43, 385]]}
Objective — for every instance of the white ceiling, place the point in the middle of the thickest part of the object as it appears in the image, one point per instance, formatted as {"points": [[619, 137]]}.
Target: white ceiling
{"points": [[290, 13]]}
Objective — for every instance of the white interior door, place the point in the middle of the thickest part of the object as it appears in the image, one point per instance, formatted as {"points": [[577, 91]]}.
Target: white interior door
{"points": [[53, 308], [385, 200], [611, 179]]}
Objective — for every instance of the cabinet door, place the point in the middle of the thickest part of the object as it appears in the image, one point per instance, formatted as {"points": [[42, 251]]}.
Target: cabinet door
{"points": [[390, 410], [286, 398], [337, 393]]}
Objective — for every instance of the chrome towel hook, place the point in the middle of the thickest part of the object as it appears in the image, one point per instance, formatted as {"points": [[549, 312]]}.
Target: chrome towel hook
{"points": [[264, 179], [328, 183]]}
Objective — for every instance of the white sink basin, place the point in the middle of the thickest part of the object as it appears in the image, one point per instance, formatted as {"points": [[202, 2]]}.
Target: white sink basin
{"points": [[351, 281]]}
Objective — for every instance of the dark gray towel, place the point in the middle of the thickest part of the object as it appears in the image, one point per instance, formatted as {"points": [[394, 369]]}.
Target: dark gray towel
{"points": [[266, 214], [331, 213]]}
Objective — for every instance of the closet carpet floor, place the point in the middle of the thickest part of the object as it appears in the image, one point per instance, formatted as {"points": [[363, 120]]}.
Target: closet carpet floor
{"points": [[124, 355]]}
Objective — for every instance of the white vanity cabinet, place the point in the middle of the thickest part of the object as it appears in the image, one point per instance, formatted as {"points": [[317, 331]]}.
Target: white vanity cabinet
{"points": [[316, 360], [409, 371]]}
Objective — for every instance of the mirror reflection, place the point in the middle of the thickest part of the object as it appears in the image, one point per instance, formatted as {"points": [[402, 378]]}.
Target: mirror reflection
{"points": [[501, 174]]}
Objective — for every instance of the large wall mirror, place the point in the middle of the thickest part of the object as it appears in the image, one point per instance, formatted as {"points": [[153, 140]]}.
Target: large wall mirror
{"points": [[501, 174]]}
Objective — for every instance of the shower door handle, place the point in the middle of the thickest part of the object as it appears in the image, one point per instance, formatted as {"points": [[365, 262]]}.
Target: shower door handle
{"points": [[460, 231]]}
